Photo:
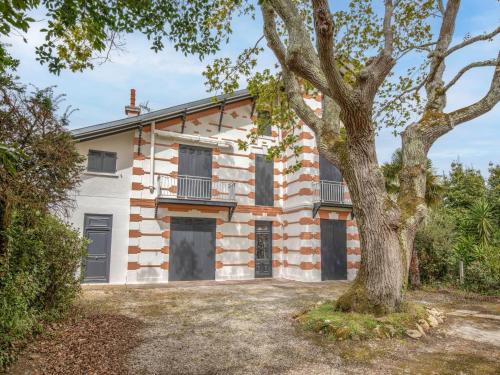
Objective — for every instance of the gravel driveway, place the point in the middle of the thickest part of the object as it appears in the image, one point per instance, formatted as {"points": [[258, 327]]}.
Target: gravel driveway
{"points": [[247, 328]]}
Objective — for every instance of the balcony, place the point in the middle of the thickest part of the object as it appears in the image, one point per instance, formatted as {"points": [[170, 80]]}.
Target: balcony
{"points": [[329, 194], [197, 191]]}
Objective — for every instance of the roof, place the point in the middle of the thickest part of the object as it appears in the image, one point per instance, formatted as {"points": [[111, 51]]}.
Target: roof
{"points": [[128, 123]]}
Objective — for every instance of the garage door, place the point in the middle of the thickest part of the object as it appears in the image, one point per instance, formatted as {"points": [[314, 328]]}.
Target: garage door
{"points": [[192, 249], [333, 250]]}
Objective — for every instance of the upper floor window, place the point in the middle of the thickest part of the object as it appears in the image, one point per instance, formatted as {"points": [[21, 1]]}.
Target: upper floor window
{"points": [[264, 119], [195, 172], [101, 161], [328, 171], [264, 181]]}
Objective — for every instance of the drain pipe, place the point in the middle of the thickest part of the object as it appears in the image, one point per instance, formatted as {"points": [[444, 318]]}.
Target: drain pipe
{"points": [[152, 159]]}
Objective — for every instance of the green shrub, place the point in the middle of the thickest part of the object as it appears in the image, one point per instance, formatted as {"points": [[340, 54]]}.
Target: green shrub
{"points": [[482, 275], [434, 243], [38, 279]]}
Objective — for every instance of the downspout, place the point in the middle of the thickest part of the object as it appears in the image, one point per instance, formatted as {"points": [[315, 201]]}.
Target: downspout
{"points": [[152, 159]]}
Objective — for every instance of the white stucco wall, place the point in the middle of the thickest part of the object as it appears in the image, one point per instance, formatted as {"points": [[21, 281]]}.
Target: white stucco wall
{"points": [[104, 194]]}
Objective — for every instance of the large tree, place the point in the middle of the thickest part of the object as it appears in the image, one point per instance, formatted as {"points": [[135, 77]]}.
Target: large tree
{"points": [[348, 56], [331, 52]]}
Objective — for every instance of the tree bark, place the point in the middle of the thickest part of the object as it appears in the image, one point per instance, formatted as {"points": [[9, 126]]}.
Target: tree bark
{"points": [[379, 286], [414, 270]]}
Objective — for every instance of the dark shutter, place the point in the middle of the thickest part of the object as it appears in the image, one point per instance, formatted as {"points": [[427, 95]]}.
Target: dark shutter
{"points": [[195, 161], [101, 161], [109, 162], [328, 171], [94, 163], [264, 181], [195, 172]]}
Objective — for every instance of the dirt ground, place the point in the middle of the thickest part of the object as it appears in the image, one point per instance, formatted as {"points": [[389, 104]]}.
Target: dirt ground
{"points": [[247, 328]]}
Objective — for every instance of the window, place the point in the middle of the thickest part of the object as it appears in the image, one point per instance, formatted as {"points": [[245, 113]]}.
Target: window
{"points": [[101, 161], [264, 120], [195, 172], [264, 181]]}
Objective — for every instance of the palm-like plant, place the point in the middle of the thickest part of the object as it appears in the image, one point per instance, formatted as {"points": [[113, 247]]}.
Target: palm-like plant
{"points": [[480, 221], [433, 190]]}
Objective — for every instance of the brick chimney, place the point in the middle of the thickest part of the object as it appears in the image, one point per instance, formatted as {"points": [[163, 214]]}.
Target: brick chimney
{"points": [[131, 110]]}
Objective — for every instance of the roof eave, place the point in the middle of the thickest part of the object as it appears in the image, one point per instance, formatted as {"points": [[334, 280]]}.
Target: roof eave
{"points": [[129, 125]]}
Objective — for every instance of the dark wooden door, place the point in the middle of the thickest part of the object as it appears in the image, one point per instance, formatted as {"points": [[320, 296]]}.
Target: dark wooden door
{"points": [[333, 250], [263, 249], [97, 228], [192, 249], [195, 172]]}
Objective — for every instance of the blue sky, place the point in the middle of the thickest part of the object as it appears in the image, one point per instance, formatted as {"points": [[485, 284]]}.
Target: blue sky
{"points": [[168, 78]]}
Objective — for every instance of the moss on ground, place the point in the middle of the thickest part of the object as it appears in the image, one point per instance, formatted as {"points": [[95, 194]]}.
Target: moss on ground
{"points": [[337, 325]]}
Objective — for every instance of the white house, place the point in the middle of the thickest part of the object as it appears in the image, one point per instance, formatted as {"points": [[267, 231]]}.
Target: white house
{"points": [[167, 195]]}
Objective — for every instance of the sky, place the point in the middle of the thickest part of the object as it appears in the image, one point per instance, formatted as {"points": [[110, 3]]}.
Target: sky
{"points": [[168, 78]]}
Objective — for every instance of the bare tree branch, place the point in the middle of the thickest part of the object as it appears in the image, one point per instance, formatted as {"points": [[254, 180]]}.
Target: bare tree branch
{"points": [[436, 101], [292, 87], [481, 106], [374, 74], [421, 47], [323, 24], [440, 6], [388, 35], [474, 39], [476, 64], [301, 58]]}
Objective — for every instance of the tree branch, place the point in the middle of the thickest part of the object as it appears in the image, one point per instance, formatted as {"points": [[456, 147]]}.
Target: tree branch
{"points": [[474, 39], [436, 100], [481, 106], [300, 56], [476, 64], [292, 87], [388, 35], [323, 24], [374, 74]]}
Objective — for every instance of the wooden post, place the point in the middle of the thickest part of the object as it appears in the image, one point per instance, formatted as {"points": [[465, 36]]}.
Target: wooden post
{"points": [[461, 271]]}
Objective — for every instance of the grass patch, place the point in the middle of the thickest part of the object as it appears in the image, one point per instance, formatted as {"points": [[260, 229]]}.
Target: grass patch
{"points": [[337, 325]]}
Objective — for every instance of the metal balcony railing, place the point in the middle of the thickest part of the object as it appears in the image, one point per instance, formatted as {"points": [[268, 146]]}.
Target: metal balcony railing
{"points": [[329, 192], [197, 188]]}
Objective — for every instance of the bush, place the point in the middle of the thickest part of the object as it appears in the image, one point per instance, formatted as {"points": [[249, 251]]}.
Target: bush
{"points": [[38, 280], [482, 275], [434, 243], [446, 239]]}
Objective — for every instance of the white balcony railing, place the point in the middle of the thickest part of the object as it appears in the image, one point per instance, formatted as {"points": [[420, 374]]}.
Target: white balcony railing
{"points": [[329, 192], [192, 187]]}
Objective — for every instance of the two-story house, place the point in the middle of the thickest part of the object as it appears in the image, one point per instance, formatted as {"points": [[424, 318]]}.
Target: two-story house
{"points": [[167, 196]]}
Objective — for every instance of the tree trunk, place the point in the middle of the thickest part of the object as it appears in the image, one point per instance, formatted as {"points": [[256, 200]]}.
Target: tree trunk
{"points": [[414, 270], [380, 282]]}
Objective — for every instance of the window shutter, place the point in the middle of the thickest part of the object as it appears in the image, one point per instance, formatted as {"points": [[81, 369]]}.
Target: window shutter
{"points": [[264, 181], [109, 162], [95, 161], [101, 161]]}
